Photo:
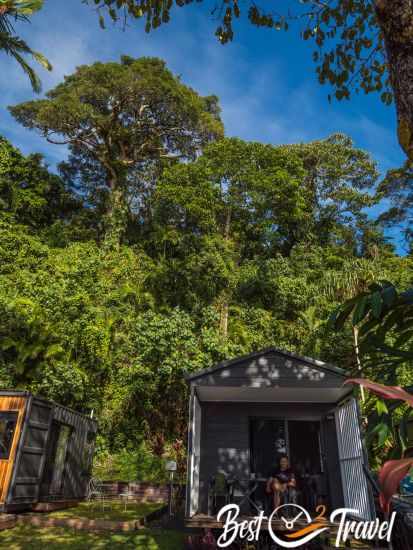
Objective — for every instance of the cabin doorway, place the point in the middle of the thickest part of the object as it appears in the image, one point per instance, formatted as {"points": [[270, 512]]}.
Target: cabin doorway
{"points": [[300, 440], [271, 438], [54, 475], [304, 446]]}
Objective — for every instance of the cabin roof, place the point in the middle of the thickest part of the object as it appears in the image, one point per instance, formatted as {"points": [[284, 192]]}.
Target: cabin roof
{"points": [[26, 393], [315, 363], [271, 375]]}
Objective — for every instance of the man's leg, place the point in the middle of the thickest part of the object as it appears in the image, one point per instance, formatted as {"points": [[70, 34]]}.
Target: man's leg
{"points": [[277, 488], [291, 495]]}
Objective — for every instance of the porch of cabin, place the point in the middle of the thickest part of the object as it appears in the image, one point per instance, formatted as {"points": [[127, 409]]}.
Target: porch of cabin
{"points": [[246, 413], [244, 441]]}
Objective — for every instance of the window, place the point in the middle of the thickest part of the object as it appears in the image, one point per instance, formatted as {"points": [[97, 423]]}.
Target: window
{"points": [[8, 421]]}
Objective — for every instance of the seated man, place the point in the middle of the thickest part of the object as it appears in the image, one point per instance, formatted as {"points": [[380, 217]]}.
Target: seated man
{"points": [[282, 483]]}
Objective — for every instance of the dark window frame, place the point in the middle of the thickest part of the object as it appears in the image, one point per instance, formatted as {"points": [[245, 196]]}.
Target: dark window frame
{"points": [[9, 417]]}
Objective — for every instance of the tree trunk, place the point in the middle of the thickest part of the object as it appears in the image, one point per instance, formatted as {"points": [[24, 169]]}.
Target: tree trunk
{"points": [[115, 221], [223, 321], [357, 353], [224, 305], [395, 18]]}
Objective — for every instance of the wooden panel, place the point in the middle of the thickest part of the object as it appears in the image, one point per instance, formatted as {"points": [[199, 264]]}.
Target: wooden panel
{"points": [[18, 404]]}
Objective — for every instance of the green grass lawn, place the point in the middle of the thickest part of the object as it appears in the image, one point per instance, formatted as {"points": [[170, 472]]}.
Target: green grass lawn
{"points": [[115, 511], [25, 537]]}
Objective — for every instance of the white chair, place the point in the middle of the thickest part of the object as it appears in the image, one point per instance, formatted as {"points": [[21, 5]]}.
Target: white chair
{"points": [[96, 493]]}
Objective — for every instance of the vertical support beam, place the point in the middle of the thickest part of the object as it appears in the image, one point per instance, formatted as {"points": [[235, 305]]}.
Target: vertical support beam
{"points": [[194, 446], [189, 467], [196, 455]]}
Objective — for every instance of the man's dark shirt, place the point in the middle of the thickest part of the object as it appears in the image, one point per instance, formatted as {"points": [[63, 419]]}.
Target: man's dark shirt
{"points": [[283, 476]]}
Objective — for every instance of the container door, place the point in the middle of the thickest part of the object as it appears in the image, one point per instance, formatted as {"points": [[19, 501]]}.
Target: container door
{"points": [[59, 460], [25, 486], [352, 459]]}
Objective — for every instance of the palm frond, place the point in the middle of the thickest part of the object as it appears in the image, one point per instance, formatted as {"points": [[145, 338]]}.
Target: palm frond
{"points": [[20, 10], [16, 47]]}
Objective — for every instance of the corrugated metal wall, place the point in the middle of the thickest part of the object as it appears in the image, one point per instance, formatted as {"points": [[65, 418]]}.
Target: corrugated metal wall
{"points": [[351, 456]]}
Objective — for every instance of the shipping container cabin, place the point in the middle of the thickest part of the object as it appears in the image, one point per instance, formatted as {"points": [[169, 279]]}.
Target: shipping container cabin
{"points": [[46, 452], [246, 412]]}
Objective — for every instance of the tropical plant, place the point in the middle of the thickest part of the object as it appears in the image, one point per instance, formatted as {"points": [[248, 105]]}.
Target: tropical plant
{"points": [[355, 277], [392, 472], [385, 317], [12, 11]]}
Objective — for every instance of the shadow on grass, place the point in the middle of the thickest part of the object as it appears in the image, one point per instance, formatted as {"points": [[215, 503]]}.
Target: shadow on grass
{"points": [[25, 537], [112, 510]]}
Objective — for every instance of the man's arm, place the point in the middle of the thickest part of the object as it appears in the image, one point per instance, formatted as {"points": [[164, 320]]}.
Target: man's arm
{"points": [[268, 485]]}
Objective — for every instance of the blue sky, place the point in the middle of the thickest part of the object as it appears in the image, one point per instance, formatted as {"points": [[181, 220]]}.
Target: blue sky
{"points": [[265, 79]]}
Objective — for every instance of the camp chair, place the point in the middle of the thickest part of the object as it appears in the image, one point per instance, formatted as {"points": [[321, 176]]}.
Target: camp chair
{"points": [[96, 493], [243, 491], [219, 490]]}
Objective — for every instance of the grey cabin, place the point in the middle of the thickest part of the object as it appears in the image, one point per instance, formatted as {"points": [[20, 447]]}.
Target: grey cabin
{"points": [[246, 411]]}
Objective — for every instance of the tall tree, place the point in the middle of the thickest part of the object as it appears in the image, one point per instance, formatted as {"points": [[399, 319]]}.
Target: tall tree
{"points": [[397, 188], [359, 44], [118, 118], [338, 185], [12, 11], [231, 198], [242, 202]]}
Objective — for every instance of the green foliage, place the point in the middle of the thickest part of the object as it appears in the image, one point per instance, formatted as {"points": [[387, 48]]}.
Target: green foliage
{"points": [[20, 10], [396, 187], [132, 465], [224, 249], [386, 437], [385, 317], [29, 194], [348, 45]]}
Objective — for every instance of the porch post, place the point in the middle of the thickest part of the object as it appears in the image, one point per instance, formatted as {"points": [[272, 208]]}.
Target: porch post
{"points": [[189, 468]]}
